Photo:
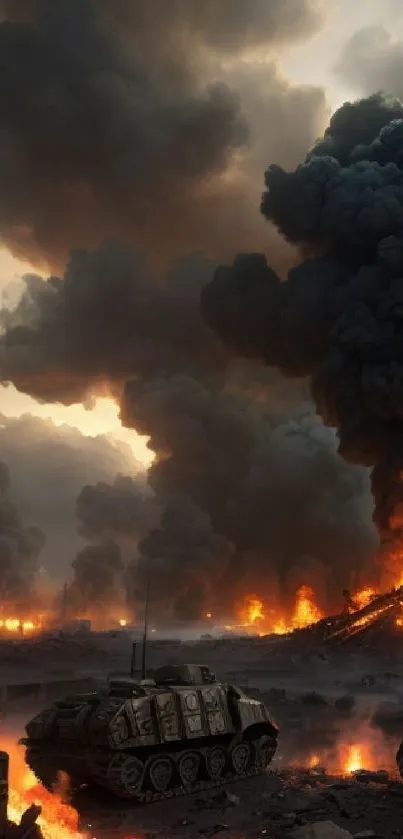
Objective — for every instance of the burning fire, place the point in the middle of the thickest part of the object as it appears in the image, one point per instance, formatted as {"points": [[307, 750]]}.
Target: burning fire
{"points": [[251, 611], [306, 611], [58, 819], [354, 760], [252, 614], [15, 625], [363, 597]]}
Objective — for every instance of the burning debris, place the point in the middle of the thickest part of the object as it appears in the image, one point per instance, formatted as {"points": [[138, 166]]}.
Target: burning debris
{"points": [[378, 622]]}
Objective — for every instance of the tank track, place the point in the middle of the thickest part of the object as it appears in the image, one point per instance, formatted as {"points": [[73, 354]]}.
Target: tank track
{"points": [[125, 777]]}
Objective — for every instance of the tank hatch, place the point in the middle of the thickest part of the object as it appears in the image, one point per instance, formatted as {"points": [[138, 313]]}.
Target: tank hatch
{"points": [[184, 674]]}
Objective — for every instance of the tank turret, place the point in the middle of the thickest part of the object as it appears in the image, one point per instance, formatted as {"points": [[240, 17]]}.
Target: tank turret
{"points": [[147, 739]]}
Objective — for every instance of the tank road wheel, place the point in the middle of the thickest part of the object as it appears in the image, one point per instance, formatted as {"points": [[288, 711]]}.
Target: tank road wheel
{"points": [[125, 775], [160, 773], [240, 757], [189, 768], [216, 760], [265, 750]]}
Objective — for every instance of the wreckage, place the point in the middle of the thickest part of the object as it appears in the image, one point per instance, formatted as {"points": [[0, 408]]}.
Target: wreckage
{"points": [[27, 828], [150, 739], [382, 616]]}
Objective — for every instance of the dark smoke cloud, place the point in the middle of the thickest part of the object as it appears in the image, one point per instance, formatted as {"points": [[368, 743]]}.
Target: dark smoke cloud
{"points": [[49, 465], [127, 508], [20, 547], [125, 325], [210, 422], [339, 314], [97, 583], [122, 119], [156, 127]]}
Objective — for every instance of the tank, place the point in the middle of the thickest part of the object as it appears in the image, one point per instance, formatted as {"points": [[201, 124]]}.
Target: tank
{"points": [[146, 740]]}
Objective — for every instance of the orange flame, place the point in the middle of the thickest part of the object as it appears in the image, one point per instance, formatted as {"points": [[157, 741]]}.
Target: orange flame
{"points": [[306, 610], [363, 597], [251, 611], [58, 819], [353, 760], [15, 625]]}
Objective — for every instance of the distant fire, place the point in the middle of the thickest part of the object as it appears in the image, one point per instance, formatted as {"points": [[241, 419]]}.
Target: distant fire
{"points": [[18, 626], [306, 612], [253, 613], [354, 760]]}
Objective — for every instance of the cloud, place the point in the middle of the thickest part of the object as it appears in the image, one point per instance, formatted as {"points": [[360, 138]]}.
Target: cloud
{"points": [[372, 59], [49, 466], [139, 130]]}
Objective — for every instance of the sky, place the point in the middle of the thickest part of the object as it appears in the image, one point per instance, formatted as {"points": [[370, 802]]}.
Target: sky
{"points": [[311, 63]]}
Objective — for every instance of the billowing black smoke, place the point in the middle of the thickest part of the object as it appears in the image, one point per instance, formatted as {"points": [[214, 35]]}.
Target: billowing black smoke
{"points": [[19, 549], [338, 317], [97, 581], [126, 121], [117, 119]]}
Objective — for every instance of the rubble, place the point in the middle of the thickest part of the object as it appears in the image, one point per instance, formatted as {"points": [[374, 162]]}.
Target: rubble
{"points": [[380, 621]]}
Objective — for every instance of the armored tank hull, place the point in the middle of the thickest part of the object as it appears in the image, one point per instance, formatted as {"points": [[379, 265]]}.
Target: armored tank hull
{"points": [[147, 741]]}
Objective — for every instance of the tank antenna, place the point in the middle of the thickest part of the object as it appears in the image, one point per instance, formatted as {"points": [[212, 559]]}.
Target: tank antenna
{"points": [[133, 661], [145, 634]]}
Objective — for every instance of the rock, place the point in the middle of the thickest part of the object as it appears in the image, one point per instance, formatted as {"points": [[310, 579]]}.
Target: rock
{"points": [[321, 830], [365, 834]]}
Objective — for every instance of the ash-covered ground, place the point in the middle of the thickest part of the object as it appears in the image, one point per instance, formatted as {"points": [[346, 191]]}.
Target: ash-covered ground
{"points": [[337, 710]]}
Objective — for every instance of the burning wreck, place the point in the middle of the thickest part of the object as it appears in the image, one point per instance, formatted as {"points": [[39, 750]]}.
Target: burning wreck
{"points": [[369, 624]]}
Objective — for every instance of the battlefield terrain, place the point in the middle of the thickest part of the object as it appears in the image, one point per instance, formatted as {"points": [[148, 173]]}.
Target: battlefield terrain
{"points": [[339, 710]]}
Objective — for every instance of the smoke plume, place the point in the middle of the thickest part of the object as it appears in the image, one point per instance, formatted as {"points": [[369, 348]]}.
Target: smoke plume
{"points": [[155, 127], [49, 465], [124, 120], [337, 317], [97, 585], [20, 547]]}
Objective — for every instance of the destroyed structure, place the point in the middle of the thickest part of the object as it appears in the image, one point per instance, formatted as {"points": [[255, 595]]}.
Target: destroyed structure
{"points": [[379, 619]]}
